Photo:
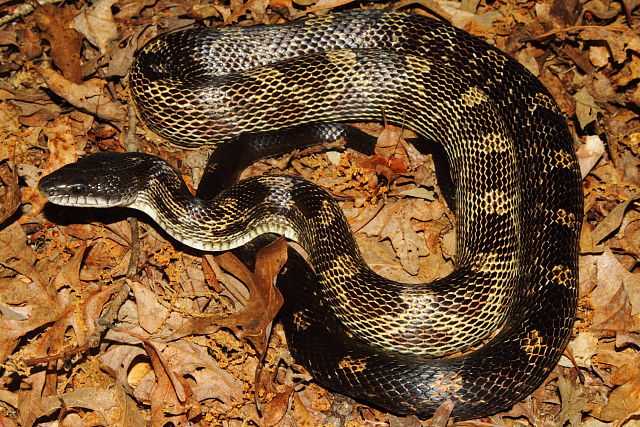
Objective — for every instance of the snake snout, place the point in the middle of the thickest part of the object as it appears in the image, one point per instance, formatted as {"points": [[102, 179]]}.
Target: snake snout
{"points": [[84, 185]]}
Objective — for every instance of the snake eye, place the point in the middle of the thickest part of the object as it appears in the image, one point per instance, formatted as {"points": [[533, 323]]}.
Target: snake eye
{"points": [[77, 189]]}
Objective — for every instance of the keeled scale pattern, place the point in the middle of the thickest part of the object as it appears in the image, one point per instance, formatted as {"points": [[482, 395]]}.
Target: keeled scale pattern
{"points": [[517, 190]]}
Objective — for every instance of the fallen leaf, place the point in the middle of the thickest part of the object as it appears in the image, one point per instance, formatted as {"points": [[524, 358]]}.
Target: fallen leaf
{"points": [[586, 108], [583, 348], [616, 298], [572, 404], [65, 42], [102, 401], [589, 153], [151, 314], [252, 322], [393, 223], [167, 393], [89, 96], [31, 297], [96, 23], [624, 400], [10, 200], [612, 221], [63, 149]]}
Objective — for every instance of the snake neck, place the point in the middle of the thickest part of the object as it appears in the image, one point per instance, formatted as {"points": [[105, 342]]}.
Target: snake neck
{"points": [[226, 222]]}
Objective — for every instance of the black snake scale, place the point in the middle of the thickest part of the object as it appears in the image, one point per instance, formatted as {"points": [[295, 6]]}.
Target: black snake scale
{"points": [[513, 293]]}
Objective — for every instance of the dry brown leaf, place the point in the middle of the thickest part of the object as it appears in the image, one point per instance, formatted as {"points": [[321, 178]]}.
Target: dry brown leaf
{"points": [[118, 58], [393, 223], [572, 404], [36, 106], [613, 221], [586, 108], [103, 401], [89, 96], [30, 296], [119, 361], [167, 392], [30, 398], [130, 414], [624, 401], [583, 348], [616, 298], [209, 381], [602, 9], [63, 149], [10, 199], [96, 23], [589, 153], [65, 42], [599, 56], [253, 321], [620, 43], [176, 362], [151, 313]]}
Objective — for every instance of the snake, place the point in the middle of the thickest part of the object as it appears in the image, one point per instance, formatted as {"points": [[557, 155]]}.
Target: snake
{"points": [[484, 336]]}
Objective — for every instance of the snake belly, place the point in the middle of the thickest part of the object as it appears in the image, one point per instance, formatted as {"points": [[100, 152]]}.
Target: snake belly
{"points": [[509, 305]]}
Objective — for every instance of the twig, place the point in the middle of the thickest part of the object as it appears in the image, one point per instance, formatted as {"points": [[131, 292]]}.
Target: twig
{"points": [[577, 28], [135, 246], [131, 142]]}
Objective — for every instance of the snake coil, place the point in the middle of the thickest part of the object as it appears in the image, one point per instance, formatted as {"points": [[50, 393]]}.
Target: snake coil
{"points": [[508, 307]]}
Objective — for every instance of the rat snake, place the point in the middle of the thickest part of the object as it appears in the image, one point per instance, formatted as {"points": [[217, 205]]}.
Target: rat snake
{"points": [[486, 335]]}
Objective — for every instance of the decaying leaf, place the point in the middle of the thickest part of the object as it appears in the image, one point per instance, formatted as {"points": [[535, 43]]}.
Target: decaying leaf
{"points": [[10, 200], [589, 153], [167, 395], [394, 223], [616, 297], [28, 293], [586, 108], [253, 321], [624, 400], [65, 42], [89, 96], [96, 24]]}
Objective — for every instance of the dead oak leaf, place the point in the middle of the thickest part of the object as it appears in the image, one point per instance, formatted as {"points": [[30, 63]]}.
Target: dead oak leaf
{"points": [[589, 153], [613, 220], [89, 96], [573, 402], [167, 394], [10, 200], [619, 42], [253, 321], [177, 361], [96, 23], [616, 298], [28, 295], [100, 400], [586, 108], [209, 382], [65, 42], [152, 315], [624, 401], [62, 150], [394, 223]]}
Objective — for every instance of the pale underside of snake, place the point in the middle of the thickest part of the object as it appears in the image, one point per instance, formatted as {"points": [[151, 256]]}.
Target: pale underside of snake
{"points": [[509, 305]]}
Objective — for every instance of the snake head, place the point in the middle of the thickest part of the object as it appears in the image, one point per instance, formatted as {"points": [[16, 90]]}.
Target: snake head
{"points": [[99, 180]]}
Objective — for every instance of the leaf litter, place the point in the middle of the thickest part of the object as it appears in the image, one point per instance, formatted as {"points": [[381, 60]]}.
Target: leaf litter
{"points": [[193, 340]]}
